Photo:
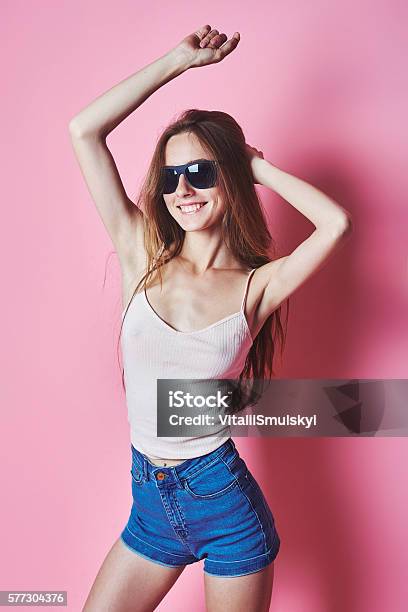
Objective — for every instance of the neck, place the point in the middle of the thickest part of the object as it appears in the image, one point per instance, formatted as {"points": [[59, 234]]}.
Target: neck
{"points": [[205, 249]]}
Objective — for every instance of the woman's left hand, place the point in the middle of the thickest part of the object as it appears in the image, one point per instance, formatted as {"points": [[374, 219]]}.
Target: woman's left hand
{"points": [[254, 156]]}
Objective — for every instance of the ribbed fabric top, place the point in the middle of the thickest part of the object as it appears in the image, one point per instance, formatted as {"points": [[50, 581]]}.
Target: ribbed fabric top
{"points": [[152, 349]]}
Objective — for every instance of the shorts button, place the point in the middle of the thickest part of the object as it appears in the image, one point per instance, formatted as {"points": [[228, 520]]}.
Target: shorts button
{"points": [[160, 476]]}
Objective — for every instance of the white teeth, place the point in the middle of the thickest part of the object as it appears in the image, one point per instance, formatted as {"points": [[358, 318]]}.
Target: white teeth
{"points": [[190, 208]]}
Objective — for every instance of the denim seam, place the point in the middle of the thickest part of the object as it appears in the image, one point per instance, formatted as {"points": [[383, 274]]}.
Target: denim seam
{"points": [[265, 554], [250, 571], [142, 467], [250, 503], [257, 567], [267, 509], [136, 460], [137, 552], [151, 545], [180, 512], [268, 512], [206, 466], [133, 477], [212, 495], [167, 510], [183, 523]]}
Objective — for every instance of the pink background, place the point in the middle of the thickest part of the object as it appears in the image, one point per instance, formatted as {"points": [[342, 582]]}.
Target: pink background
{"points": [[320, 87]]}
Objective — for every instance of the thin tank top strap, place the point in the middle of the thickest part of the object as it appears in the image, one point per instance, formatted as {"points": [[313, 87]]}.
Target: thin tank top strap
{"points": [[246, 289]]}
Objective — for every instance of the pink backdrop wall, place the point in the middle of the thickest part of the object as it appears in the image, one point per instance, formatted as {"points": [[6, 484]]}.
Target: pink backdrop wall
{"points": [[320, 87]]}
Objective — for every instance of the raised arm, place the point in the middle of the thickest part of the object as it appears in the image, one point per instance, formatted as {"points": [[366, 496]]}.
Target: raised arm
{"points": [[90, 127], [332, 222]]}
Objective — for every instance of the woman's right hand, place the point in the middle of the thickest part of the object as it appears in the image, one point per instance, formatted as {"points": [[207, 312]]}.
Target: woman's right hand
{"points": [[203, 47]]}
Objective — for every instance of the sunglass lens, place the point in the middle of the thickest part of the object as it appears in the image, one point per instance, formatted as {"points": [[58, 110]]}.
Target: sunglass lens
{"points": [[201, 175], [170, 180]]}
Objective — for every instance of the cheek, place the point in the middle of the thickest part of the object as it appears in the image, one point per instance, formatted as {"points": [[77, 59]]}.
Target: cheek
{"points": [[216, 196]]}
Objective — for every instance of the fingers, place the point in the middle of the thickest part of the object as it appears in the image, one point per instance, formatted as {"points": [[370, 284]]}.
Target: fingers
{"points": [[202, 32], [208, 37], [228, 46], [217, 40], [212, 39], [253, 151]]}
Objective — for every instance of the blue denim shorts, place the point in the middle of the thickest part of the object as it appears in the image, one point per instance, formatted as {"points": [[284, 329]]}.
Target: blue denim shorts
{"points": [[208, 507]]}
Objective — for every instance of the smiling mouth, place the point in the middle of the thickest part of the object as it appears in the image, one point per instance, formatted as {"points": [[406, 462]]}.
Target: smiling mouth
{"points": [[189, 209]]}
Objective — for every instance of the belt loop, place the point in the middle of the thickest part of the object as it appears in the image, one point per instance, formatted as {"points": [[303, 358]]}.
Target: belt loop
{"points": [[176, 476], [145, 468]]}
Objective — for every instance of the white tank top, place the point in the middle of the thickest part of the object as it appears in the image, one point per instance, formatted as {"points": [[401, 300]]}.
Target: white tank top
{"points": [[152, 349]]}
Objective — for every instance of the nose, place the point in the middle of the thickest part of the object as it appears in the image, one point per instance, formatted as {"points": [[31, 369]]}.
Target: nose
{"points": [[183, 186]]}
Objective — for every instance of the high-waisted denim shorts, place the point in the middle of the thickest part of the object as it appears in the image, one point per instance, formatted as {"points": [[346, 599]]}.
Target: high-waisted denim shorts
{"points": [[208, 507]]}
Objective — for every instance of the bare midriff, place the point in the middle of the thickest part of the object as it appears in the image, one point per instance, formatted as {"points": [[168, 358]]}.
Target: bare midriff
{"points": [[164, 462]]}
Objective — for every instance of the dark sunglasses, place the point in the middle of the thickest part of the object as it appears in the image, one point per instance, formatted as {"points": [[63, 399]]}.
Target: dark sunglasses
{"points": [[201, 174]]}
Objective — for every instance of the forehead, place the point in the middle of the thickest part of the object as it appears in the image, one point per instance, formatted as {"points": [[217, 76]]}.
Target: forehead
{"points": [[183, 148]]}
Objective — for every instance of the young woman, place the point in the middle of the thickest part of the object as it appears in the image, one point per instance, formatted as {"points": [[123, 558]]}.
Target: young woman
{"points": [[200, 296]]}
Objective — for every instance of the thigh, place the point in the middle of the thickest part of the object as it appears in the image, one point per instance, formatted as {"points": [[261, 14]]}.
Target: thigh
{"points": [[249, 593], [127, 582]]}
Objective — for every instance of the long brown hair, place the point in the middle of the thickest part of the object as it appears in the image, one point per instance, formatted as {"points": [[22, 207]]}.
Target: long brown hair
{"points": [[244, 226]]}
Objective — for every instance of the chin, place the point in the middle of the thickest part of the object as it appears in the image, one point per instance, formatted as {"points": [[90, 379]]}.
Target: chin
{"points": [[196, 227]]}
